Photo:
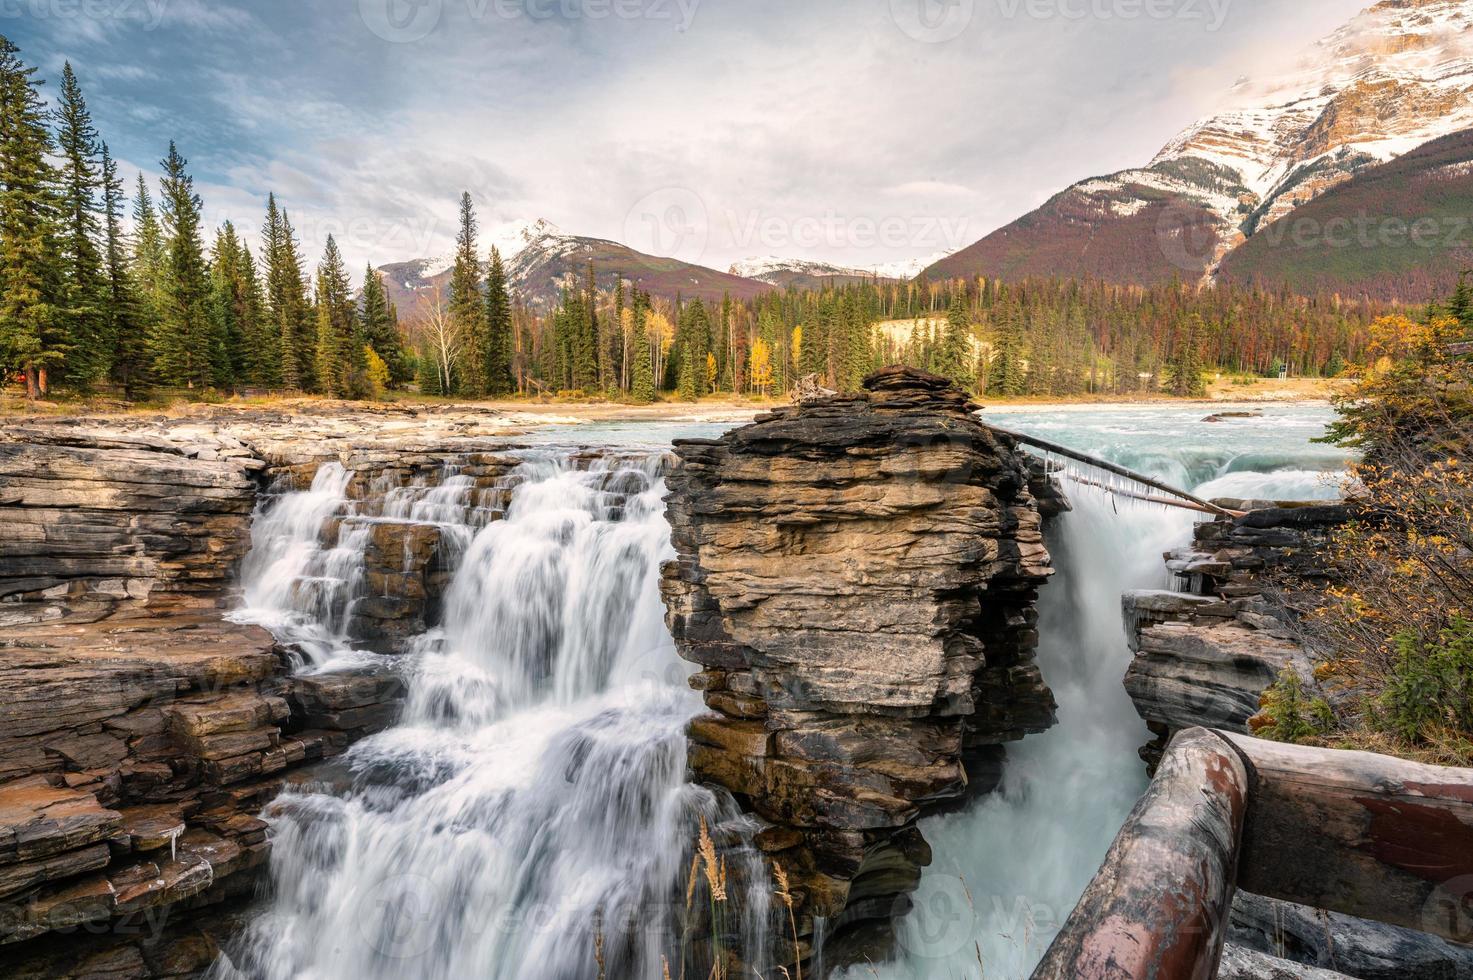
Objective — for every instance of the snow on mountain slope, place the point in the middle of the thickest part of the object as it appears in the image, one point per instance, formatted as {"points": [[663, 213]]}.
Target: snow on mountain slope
{"points": [[540, 257], [780, 271], [1392, 78]]}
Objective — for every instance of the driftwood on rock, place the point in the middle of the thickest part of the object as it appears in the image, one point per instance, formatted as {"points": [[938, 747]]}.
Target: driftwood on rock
{"points": [[1378, 838], [1363, 834], [1158, 906]]}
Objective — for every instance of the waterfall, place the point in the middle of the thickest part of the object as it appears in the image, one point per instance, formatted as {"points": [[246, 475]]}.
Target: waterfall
{"points": [[531, 808], [1007, 872], [294, 583]]}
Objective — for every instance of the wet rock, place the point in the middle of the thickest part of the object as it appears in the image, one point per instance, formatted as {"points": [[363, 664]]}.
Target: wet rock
{"points": [[1205, 654], [856, 575]]}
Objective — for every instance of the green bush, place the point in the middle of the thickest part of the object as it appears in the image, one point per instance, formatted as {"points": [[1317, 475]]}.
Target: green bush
{"points": [[1289, 714], [1430, 687]]}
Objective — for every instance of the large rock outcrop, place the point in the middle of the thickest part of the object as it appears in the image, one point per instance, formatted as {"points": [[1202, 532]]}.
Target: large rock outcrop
{"points": [[856, 577], [1205, 654]]}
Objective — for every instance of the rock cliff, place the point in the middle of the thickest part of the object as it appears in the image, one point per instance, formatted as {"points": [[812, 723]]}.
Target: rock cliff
{"points": [[142, 733], [856, 577], [1205, 654]]}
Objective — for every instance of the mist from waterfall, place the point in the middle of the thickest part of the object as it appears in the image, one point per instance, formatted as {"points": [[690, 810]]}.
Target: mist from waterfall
{"points": [[1007, 871], [530, 812]]}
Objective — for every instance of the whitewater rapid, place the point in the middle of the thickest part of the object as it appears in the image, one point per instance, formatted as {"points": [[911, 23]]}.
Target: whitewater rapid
{"points": [[532, 801], [530, 813]]}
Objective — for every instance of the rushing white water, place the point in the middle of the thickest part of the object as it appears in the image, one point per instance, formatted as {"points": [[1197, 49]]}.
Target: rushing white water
{"points": [[534, 795], [296, 585], [1008, 871]]}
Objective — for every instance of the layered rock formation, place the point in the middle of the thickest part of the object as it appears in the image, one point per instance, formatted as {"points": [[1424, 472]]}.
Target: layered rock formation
{"points": [[1205, 654], [856, 576], [142, 733]]}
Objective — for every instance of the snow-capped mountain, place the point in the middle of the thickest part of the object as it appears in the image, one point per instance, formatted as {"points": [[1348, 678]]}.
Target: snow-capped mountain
{"points": [[540, 257], [1391, 79], [781, 271]]}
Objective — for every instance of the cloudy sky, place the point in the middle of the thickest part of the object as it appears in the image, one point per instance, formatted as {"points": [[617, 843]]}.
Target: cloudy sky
{"points": [[860, 131]]}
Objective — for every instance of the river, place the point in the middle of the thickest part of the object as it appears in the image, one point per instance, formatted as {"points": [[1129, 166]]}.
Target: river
{"points": [[528, 816]]}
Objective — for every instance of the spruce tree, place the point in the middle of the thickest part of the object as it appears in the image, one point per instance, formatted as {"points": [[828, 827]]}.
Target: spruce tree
{"points": [[467, 307], [380, 330], [341, 352], [956, 345], [125, 325], [183, 343], [84, 296], [230, 295], [286, 301], [498, 331], [33, 338], [261, 364], [1007, 375], [642, 383], [1184, 370]]}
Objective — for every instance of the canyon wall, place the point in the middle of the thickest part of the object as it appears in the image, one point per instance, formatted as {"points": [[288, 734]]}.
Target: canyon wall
{"points": [[856, 577], [142, 732]]}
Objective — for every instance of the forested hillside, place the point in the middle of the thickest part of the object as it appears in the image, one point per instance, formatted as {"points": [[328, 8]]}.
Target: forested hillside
{"points": [[102, 291]]}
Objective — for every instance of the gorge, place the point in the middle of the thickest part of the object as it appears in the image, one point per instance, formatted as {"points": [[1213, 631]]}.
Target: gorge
{"points": [[422, 713]]}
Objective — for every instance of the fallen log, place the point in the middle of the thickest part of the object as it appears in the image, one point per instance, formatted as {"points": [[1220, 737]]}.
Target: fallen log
{"points": [[1159, 906], [1363, 834]]}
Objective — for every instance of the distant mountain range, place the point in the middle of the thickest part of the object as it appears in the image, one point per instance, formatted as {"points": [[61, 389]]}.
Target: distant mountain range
{"points": [[1395, 77], [539, 257], [1373, 125]]}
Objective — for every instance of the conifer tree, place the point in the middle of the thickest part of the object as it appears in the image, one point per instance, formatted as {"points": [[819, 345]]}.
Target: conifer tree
{"points": [[467, 307], [32, 332], [260, 360], [956, 346], [183, 344], [380, 331], [231, 294], [341, 359], [1184, 371], [582, 330], [1007, 375], [642, 377], [286, 302], [498, 331], [84, 296], [125, 325], [149, 260]]}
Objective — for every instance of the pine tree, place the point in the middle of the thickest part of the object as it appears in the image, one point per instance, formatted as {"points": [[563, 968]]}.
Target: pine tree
{"points": [[84, 296], [956, 346], [1007, 375], [230, 293], [693, 334], [32, 333], [125, 325], [642, 383], [261, 360], [342, 367], [286, 302], [380, 330], [582, 332], [498, 330], [466, 304], [183, 342], [1184, 370]]}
